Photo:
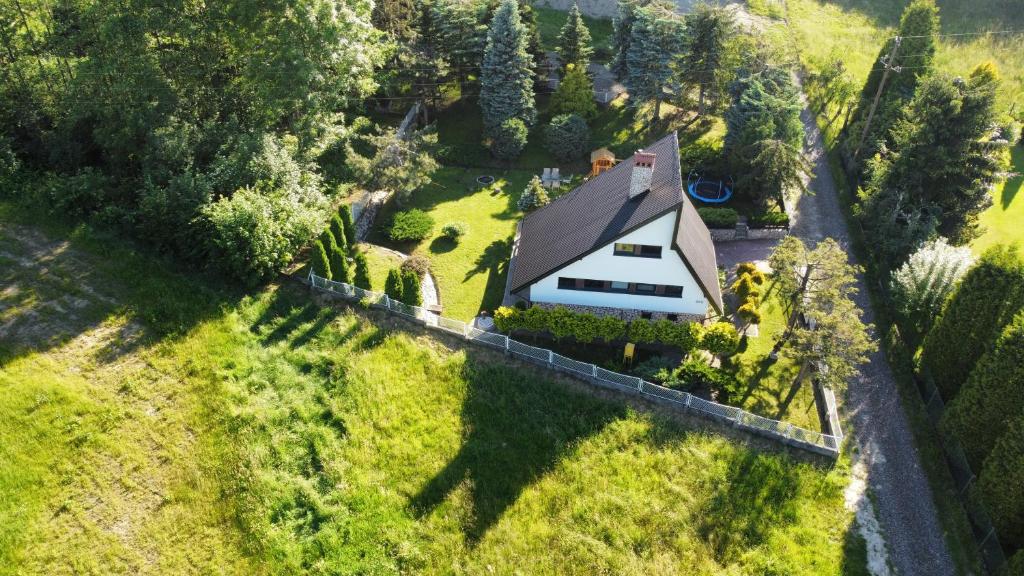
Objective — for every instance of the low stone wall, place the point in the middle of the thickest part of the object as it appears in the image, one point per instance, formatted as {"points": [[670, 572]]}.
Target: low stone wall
{"points": [[620, 313], [729, 234]]}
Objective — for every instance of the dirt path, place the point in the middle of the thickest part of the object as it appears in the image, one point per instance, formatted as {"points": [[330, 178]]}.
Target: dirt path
{"points": [[886, 458]]}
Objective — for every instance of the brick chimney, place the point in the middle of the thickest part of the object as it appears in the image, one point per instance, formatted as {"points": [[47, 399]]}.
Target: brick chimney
{"points": [[643, 172]]}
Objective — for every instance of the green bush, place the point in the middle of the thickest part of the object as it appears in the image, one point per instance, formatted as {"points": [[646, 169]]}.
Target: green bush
{"points": [[992, 396], [744, 287], [749, 312], [411, 225], [697, 372], [586, 328], [718, 217], [339, 265], [508, 319], [999, 485], [327, 239], [641, 331], [321, 262], [338, 231], [535, 319], [655, 369], [348, 226], [988, 297], [746, 268], [454, 230], [411, 293], [575, 94], [561, 322], [362, 271], [769, 220], [567, 137], [509, 139], [611, 328], [534, 196], [393, 285], [720, 339]]}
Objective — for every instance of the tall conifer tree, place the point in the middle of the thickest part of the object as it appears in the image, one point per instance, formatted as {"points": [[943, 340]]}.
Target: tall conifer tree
{"points": [[506, 76], [707, 30], [653, 46], [574, 45]]}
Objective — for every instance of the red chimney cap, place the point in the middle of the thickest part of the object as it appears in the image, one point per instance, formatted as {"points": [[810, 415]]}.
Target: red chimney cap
{"points": [[642, 158]]}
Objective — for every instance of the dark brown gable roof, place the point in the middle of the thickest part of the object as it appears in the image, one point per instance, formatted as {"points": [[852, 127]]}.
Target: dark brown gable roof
{"points": [[600, 210]]}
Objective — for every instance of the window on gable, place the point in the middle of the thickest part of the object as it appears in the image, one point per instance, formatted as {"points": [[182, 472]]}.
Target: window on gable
{"points": [[566, 283], [625, 249], [638, 250]]}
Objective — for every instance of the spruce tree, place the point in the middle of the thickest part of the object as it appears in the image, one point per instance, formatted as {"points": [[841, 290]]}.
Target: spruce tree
{"points": [[989, 296], [338, 231], [919, 25], [362, 271], [534, 196], [653, 46], [339, 265], [321, 263], [999, 485], [704, 45], [348, 225], [575, 94], [459, 35], [506, 76], [411, 293], [992, 396], [623, 25], [574, 45], [393, 285]]}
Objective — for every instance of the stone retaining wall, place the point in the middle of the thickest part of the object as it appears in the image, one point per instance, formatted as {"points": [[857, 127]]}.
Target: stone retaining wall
{"points": [[621, 313], [729, 234]]}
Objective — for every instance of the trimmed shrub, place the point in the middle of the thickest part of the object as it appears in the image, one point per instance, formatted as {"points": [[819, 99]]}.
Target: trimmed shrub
{"points": [[338, 231], [393, 285], [418, 264], [769, 220], [348, 226], [534, 196], [746, 268], [321, 263], [339, 265], [992, 396], [641, 331], [535, 319], [411, 225], [720, 339], [999, 485], [749, 313], [454, 230], [508, 319], [611, 328], [697, 372], [411, 293], [509, 139], [362, 271], [744, 288], [655, 369], [586, 328], [567, 137], [987, 299], [718, 217], [561, 322], [327, 239]]}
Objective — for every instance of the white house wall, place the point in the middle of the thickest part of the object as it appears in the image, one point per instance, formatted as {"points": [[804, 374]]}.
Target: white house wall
{"points": [[603, 264]]}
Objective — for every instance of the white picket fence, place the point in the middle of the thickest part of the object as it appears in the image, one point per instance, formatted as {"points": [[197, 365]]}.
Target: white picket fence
{"points": [[817, 442]]}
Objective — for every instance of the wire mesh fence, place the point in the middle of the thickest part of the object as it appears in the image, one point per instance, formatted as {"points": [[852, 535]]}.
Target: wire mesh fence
{"points": [[782, 431]]}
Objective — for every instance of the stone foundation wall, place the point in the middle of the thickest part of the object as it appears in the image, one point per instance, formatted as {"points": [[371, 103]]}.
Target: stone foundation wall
{"points": [[621, 313], [729, 234]]}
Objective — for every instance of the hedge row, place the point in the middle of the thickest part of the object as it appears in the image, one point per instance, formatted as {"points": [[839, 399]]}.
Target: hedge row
{"points": [[769, 220], [718, 217], [720, 339], [987, 299]]}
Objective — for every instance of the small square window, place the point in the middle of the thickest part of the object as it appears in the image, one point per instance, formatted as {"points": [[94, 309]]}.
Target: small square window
{"points": [[625, 249], [650, 251], [674, 291], [593, 284], [566, 283], [620, 286], [646, 288]]}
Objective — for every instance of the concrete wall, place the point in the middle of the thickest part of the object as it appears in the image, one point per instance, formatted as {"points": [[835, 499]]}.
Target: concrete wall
{"points": [[604, 265], [729, 234]]}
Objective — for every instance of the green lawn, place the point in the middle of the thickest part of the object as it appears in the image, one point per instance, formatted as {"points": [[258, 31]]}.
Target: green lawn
{"points": [[769, 383], [471, 274], [379, 261], [1003, 223], [550, 22], [172, 427]]}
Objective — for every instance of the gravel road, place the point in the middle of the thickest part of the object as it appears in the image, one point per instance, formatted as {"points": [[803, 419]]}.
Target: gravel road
{"points": [[903, 500]]}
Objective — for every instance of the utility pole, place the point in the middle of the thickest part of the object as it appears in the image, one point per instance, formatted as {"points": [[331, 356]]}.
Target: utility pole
{"points": [[887, 62]]}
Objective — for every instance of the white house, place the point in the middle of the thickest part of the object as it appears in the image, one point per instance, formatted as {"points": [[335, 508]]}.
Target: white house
{"points": [[626, 242]]}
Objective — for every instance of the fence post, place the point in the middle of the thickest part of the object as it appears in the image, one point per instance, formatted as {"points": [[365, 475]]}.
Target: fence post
{"points": [[551, 357], [789, 431], [688, 396], [508, 352], [593, 370], [465, 330]]}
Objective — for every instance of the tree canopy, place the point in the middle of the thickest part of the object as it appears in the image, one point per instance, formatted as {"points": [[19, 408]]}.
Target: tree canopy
{"points": [[506, 76]]}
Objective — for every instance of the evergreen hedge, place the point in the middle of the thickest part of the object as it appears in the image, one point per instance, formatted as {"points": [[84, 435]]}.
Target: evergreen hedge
{"points": [[361, 278], [411, 293], [393, 285], [992, 396], [321, 264], [338, 231], [719, 217], [999, 485], [989, 296], [348, 226], [339, 265]]}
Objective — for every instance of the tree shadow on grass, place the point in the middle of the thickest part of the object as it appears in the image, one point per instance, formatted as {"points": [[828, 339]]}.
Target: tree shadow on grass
{"points": [[493, 261], [515, 430], [756, 497], [1013, 185], [442, 245]]}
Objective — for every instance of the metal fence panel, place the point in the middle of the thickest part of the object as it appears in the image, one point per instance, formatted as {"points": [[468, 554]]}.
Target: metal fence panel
{"points": [[571, 365], [449, 325], [528, 352], [665, 393], [627, 381], [489, 338]]}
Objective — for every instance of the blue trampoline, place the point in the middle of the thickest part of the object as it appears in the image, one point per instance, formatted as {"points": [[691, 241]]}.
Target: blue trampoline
{"points": [[707, 190]]}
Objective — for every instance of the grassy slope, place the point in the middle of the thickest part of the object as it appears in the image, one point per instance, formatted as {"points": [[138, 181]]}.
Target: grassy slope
{"points": [[550, 22], [267, 434]]}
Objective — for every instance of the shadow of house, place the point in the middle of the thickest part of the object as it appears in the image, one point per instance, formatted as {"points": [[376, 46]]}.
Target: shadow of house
{"points": [[514, 432]]}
